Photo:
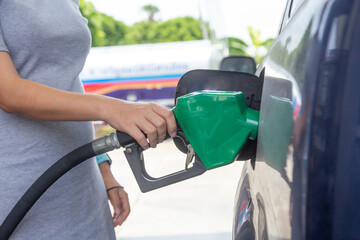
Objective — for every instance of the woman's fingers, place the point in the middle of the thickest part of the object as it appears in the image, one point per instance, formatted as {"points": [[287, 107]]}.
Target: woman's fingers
{"points": [[169, 118], [138, 119], [125, 206], [139, 137], [120, 203], [160, 125], [149, 129]]}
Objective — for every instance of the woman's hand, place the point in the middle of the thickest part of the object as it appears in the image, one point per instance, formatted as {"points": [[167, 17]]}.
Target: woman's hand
{"points": [[138, 119], [120, 203], [117, 196]]}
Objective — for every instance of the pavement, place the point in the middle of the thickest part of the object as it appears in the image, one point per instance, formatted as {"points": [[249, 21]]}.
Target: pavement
{"points": [[199, 208]]}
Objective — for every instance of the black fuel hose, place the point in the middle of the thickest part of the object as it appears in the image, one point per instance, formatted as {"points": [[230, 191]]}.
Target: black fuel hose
{"points": [[57, 170]]}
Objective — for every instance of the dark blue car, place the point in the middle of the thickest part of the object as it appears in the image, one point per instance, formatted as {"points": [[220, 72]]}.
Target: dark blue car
{"points": [[304, 182]]}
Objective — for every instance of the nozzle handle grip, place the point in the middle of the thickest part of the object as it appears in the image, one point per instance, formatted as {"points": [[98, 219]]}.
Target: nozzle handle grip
{"points": [[125, 139]]}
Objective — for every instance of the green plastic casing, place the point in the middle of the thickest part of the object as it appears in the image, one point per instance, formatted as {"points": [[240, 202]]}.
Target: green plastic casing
{"points": [[217, 124]]}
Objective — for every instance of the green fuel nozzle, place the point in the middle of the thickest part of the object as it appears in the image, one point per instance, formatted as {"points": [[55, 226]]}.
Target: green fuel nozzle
{"points": [[217, 124], [214, 127]]}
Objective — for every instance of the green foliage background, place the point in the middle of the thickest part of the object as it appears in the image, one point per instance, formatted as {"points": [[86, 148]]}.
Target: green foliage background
{"points": [[107, 31]]}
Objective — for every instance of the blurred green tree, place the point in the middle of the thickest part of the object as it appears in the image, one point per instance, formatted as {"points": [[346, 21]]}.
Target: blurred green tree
{"points": [[237, 46], [151, 11], [177, 29], [105, 30], [141, 32], [261, 47]]}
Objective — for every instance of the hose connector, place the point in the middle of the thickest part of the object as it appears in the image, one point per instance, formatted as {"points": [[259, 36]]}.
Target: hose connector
{"points": [[105, 144]]}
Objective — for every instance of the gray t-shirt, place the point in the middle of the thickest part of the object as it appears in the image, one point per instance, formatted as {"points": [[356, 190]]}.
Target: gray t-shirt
{"points": [[48, 41]]}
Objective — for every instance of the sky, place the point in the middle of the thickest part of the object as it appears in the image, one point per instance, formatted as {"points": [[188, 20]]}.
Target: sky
{"points": [[228, 17]]}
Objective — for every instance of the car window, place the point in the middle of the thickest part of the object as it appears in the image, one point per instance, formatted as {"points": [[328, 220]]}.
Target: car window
{"points": [[285, 17], [294, 6], [291, 8]]}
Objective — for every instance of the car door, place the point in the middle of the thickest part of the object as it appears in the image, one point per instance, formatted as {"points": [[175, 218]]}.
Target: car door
{"points": [[270, 177], [302, 184]]}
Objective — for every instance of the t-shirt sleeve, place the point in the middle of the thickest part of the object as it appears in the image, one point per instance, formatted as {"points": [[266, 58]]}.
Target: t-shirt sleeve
{"points": [[3, 46]]}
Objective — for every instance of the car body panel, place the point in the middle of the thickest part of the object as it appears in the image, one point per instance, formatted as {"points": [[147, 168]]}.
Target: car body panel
{"points": [[297, 164]]}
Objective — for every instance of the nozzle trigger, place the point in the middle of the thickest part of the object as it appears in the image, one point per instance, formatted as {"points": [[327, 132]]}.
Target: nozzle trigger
{"points": [[189, 156]]}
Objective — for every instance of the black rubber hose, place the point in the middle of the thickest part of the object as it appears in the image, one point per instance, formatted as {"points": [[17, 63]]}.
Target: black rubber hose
{"points": [[50, 176]]}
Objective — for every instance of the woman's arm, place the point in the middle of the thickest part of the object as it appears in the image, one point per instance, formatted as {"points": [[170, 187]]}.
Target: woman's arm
{"points": [[35, 100]]}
